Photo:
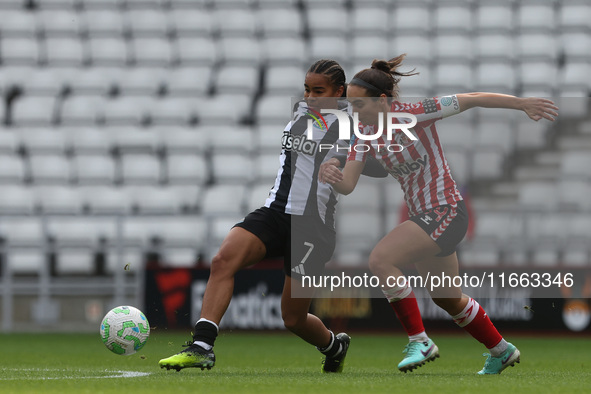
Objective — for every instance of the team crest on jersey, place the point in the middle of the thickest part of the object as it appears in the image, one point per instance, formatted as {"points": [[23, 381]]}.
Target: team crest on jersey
{"points": [[403, 139]]}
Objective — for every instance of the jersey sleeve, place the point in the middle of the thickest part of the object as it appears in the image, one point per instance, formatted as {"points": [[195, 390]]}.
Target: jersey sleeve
{"points": [[359, 149], [431, 109]]}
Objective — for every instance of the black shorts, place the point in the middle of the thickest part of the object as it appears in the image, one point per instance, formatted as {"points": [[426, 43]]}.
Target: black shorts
{"points": [[305, 242], [445, 224]]}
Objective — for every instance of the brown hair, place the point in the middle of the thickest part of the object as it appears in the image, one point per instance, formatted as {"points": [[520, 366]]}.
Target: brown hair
{"points": [[382, 77]]}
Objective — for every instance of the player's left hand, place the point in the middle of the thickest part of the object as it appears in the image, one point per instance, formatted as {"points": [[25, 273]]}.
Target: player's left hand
{"points": [[538, 108]]}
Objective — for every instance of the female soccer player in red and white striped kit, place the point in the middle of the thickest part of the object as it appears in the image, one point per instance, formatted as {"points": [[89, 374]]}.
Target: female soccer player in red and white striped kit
{"points": [[438, 218]]}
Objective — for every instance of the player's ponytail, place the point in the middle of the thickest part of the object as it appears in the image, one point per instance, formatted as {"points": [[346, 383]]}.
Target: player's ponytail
{"points": [[382, 77]]}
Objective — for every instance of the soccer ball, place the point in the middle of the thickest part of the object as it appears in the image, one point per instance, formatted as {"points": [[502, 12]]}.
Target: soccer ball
{"points": [[125, 330]]}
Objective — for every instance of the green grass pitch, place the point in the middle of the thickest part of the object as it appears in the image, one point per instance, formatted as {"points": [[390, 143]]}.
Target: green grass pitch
{"points": [[282, 363]]}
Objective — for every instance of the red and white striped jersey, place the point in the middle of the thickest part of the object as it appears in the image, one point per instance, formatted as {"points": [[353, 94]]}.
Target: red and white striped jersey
{"points": [[420, 168]]}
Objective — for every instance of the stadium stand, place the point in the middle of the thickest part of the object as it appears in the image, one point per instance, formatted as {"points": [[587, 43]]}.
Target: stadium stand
{"points": [[163, 118]]}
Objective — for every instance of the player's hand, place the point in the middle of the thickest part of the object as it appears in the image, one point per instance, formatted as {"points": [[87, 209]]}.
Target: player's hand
{"points": [[329, 172], [538, 108]]}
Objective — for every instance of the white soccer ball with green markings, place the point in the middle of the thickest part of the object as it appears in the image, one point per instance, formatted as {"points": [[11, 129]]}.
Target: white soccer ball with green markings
{"points": [[125, 330]]}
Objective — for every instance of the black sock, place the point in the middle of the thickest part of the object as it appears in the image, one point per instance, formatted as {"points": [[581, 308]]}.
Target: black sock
{"points": [[333, 348], [205, 332]]}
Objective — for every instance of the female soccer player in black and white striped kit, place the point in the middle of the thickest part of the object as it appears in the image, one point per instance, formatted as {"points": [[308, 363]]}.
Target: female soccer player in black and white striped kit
{"points": [[297, 223]]}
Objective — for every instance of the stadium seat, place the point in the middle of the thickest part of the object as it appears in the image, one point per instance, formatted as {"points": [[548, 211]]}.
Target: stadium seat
{"points": [[196, 51], [106, 200], [25, 232], [364, 49], [234, 79], [58, 4], [229, 139], [108, 51], [573, 195], [273, 109], [127, 111], [460, 164], [9, 140], [574, 17], [33, 111], [537, 47], [236, 23], [285, 51], [452, 78], [12, 169], [191, 23], [140, 169], [240, 51], [82, 110], [536, 195], [152, 52], [536, 18], [142, 80], [74, 261], [538, 75], [105, 23], [59, 200], [453, 48], [329, 47], [19, 51], [494, 47], [321, 26], [188, 81], [147, 23], [156, 200], [279, 22], [93, 81], [178, 111], [286, 80], [369, 21], [186, 169], [16, 200], [45, 81], [418, 48], [29, 261], [18, 23], [93, 169], [42, 141], [266, 166], [410, 20], [457, 134], [224, 109], [58, 23], [498, 135], [223, 200], [576, 47], [495, 76], [575, 165], [358, 232], [486, 163], [365, 198], [50, 169], [494, 18], [257, 194], [453, 19], [530, 134], [182, 140], [70, 231], [133, 140], [268, 137], [233, 168]]}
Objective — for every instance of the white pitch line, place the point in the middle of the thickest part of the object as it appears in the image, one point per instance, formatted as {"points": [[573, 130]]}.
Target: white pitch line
{"points": [[114, 374]]}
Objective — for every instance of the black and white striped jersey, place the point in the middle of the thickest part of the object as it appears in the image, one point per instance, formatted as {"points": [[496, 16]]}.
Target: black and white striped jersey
{"points": [[296, 190]]}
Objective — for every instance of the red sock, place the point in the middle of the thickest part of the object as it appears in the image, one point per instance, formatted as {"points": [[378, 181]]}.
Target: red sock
{"points": [[475, 320], [409, 314]]}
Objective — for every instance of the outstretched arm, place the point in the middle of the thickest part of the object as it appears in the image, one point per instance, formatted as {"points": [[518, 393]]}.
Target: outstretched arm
{"points": [[536, 108]]}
